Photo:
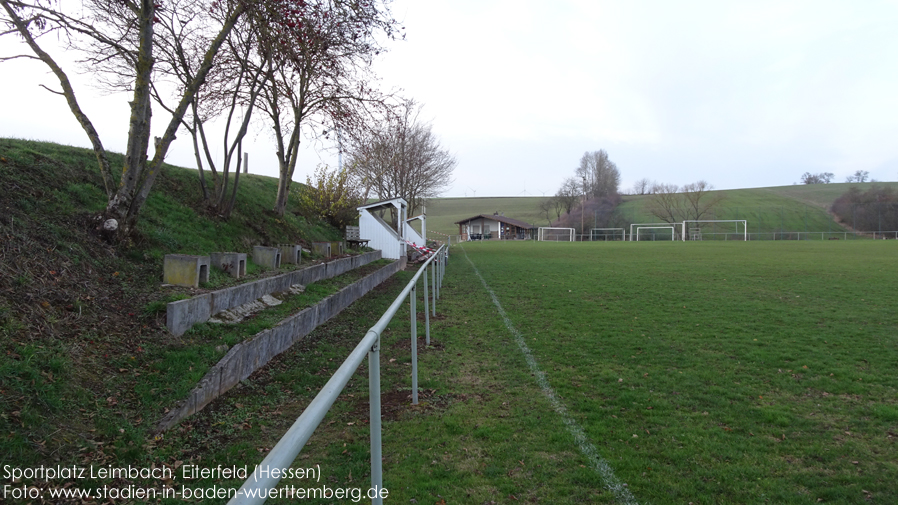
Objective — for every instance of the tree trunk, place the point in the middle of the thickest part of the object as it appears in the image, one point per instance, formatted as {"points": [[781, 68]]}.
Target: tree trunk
{"points": [[287, 167], [280, 203], [129, 205], [69, 93], [119, 206]]}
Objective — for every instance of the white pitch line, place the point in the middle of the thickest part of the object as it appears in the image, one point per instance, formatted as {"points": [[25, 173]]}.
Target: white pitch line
{"points": [[618, 488]]}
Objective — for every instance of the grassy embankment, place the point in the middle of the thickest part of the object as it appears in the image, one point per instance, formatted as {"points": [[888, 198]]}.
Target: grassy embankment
{"points": [[87, 367]]}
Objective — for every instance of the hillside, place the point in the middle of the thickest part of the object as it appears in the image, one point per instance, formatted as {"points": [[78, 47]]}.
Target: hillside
{"points": [[86, 366], [796, 208], [442, 213]]}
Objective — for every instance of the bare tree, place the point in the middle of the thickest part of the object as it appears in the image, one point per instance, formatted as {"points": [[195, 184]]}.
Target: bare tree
{"points": [[821, 178], [570, 192], [643, 187], [858, 176], [699, 199], [545, 209], [231, 90], [318, 79], [693, 201], [602, 178], [404, 158], [667, 204], [118, 39]]}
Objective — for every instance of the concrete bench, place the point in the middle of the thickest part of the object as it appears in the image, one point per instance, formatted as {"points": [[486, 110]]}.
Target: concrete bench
{"points": [[322, 248], [337, 248], [185, 270], [268, 257], [290, 253], [231, 263]]}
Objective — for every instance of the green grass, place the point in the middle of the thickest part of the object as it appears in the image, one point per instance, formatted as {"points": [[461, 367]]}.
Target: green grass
{"points": [[758, 370], [821, 195], [748, 373], [67, 294], [797, 208], [727, 329]]}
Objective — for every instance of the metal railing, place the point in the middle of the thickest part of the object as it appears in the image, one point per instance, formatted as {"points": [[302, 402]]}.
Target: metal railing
{"points": [[259, 484], [802, 235]]}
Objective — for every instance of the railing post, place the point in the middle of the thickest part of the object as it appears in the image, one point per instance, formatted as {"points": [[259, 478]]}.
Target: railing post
{"points": [[412, 296], [439, 268], [377, 479], [426, 312], [433, 265]]}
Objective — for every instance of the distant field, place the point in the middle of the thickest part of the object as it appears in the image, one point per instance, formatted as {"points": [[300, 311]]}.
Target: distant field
{"points": [[821, 195], [797, 208], [442, 213], [705, 373]]}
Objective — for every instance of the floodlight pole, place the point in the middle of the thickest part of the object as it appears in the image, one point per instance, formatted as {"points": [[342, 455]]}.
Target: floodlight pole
{"points": [[582, 208]]}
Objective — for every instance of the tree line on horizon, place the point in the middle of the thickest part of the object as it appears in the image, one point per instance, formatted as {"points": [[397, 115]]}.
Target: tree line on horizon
{"points": [[592, 196]]}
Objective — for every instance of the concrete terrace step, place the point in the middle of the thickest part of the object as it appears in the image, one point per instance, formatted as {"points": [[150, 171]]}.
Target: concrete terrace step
{"points": [[181, 315], [255, 352]]}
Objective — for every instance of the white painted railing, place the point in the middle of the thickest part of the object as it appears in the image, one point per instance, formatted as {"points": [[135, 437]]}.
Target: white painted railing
{"points": [[258, 485]]}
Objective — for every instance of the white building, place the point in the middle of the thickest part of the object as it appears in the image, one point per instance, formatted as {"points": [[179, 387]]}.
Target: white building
{"points": [[384, 225]]}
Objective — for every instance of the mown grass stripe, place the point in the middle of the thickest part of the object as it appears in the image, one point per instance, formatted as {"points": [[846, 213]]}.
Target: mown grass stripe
{"points": [[612, 483]]}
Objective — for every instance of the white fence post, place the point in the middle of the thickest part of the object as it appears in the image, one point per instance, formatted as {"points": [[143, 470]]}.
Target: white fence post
{"points": [[377, 477], [414, 317], [426, 312]]}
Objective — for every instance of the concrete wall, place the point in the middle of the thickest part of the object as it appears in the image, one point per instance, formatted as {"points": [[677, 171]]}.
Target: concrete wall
{"points": [[248, 356], [182, 314]]}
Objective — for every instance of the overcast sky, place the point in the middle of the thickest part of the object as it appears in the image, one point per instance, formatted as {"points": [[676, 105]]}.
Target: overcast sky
{"points": [[738, 93]]}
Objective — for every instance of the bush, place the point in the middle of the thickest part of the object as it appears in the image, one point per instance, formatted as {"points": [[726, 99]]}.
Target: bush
{"points": [[332, 196], [873, 210]]}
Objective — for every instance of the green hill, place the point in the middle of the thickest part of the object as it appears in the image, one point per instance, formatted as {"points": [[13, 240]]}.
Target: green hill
{"points": [[85, 361], [798, 208], [442, 213]]}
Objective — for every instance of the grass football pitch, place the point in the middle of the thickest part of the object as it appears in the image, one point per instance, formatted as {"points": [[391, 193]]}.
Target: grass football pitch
{"points": [[694, 372]]}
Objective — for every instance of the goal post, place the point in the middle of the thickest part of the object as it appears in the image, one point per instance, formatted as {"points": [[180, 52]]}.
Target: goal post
{"points": [[605, 233], [737, 221], [549, 234], [673, 234], [648, 225]]}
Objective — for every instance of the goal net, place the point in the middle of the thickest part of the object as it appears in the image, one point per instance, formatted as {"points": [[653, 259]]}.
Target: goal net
{"points": [[668, 231], [696, 232], [604, 234], [555, 235]]}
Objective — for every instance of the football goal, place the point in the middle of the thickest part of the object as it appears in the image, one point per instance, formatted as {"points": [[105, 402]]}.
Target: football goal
{"points": [[699, 237], [633, 236], [671, 228], [555, 234], [605, 234]]}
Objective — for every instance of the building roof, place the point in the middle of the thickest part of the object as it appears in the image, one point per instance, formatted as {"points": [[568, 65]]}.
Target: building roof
{"points": [[392, 202], [501, 219]]}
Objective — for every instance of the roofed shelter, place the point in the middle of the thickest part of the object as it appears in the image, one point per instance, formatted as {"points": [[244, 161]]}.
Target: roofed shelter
{"points": [[494, 227], [412, 235], [388, 237]]}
